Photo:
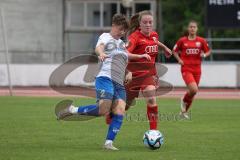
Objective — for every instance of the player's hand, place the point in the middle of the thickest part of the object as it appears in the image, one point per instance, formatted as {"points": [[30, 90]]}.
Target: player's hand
{"points": [[167, 53], [128, 78], [102, 57], [203, 55], [181, 62], [146, 56]]}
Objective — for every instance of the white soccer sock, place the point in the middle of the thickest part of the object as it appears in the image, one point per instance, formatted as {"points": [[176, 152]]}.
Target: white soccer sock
{"points": [[73, 109], [108, 141]]}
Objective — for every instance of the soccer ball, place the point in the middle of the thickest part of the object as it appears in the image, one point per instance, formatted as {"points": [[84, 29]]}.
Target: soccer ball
{"points": [[153, 139]]}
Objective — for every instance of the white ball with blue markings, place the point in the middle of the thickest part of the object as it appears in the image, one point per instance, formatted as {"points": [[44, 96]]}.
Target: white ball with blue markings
{"points": [[153, 139]]}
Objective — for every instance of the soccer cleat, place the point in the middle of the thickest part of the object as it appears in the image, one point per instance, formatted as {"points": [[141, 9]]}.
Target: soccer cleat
{"points": [[109, 146], [62, 109], [72, 109], [183, 106], [184, 115], [68, 111], [64, 113]]}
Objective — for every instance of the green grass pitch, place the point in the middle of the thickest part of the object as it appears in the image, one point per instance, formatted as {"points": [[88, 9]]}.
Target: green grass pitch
{"points": [[30, 131]]}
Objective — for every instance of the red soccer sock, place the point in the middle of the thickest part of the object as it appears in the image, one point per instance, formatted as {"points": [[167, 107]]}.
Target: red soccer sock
{"points": [[152, 113], [188, 100], [108, 118]]}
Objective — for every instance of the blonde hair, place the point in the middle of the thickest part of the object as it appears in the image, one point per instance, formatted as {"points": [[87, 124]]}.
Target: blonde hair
{"points": [[135, 20]]}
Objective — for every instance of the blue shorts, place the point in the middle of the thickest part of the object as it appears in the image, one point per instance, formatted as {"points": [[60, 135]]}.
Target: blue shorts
{"points": [[108, 89]]}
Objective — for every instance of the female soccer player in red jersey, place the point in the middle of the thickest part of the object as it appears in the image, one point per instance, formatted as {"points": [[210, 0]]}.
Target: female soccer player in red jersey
{"points": [[191, 49], [142, 39]]}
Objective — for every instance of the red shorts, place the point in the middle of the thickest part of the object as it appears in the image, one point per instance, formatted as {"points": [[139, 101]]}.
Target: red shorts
{"points": [[138, 84], [191, 73], [190, 77]]}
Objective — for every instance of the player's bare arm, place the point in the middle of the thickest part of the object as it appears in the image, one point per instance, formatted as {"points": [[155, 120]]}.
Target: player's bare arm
{"points": [[100, 52], [138, 56], [167, 51], [176, 55], [204, 55]]}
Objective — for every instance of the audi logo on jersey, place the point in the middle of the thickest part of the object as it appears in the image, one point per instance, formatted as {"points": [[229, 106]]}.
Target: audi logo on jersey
{"points": [[151, 49], [192, 51]]}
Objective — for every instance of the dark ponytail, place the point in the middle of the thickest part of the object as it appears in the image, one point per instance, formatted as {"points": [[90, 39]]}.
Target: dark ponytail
{"points": [[134, 23]]}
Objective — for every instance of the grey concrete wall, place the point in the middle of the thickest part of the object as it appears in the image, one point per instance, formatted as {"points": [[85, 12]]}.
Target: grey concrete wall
{"points": [[238, 75], [34, 30], [26, 75]]}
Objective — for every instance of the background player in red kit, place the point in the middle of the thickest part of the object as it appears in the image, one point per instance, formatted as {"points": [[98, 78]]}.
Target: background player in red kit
{"points": [[191, 49], [143, 39]]}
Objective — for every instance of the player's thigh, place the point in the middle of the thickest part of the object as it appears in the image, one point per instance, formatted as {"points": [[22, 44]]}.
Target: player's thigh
{"points": [[104, 106], [197, 78], [149, 90], [188, 78], [193, 87], [132, 92], [119, 92], [104, 88], [149, 81], [191, 82], [119, 99], [104, 94]]}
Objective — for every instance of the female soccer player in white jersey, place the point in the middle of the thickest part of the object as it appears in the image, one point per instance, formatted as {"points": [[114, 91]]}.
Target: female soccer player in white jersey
{"points": [[109, 82]]}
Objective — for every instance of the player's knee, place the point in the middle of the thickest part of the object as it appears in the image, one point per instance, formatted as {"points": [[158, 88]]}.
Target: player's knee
{"points": [[119, 110], [103, 112], [193, 91], [151, 101], [130, 103]]}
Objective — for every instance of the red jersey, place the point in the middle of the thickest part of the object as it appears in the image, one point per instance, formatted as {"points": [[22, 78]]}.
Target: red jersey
{"points": [[190, 50], [138, 43]]}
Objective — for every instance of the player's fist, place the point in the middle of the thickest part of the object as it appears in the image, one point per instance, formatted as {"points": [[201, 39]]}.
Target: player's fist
{"points": [[102, 57], [203, 55], [167, 52], [128, 77], [181, 62]]}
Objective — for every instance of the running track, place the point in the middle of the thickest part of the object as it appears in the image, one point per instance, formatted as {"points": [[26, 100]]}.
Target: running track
{"points": [[204, 93]]}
